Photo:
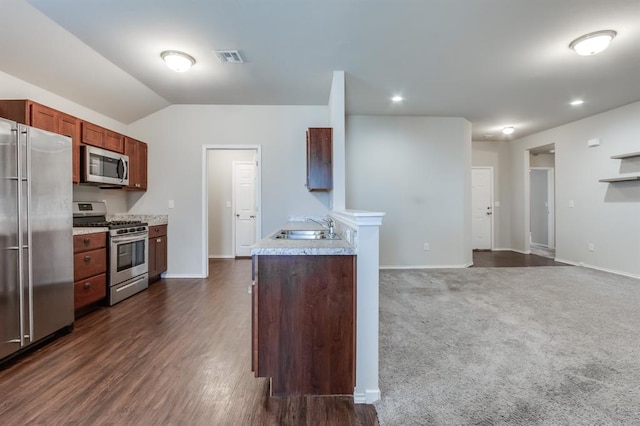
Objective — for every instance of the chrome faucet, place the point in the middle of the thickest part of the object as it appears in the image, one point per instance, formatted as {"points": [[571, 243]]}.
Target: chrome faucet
{"points": [[329, 224]]}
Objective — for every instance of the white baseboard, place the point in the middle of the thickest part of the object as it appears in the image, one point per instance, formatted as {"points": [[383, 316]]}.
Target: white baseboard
{"points": [[368, 397], [178, 276], [221, 257], [426, 266], [598, 268], [521, 251], [502, 249]]}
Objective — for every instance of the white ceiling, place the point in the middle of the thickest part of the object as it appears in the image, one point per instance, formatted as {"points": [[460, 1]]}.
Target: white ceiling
{"points": [[494, 62]]}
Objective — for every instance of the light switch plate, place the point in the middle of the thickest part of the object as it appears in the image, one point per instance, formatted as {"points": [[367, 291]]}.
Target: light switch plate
{"points": [[172, 204], [593, 142]]}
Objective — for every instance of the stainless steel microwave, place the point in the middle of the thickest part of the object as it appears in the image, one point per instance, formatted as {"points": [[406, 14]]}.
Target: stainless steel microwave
{"points": [[101, 167]]}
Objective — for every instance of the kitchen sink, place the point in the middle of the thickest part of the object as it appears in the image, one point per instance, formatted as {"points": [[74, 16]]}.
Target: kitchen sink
{"points": [[299, 234]]}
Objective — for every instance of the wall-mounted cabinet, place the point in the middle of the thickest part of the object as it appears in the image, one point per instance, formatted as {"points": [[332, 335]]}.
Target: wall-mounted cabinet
{"points": [[42, 117], [137, 153], [95, 135], [319, 159]]}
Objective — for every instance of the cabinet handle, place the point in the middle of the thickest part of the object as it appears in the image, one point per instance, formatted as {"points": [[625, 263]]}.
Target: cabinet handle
{"points": [[87, 285], [159, 240], [86, 240], [87, 258]]}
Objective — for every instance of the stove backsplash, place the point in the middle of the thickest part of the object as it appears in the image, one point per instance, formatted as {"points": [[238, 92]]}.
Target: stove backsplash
{"points": [[115, 199]]}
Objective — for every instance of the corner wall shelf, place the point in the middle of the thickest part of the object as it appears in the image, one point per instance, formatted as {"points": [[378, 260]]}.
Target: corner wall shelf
{"points": [[623, 156], [621, 179]]}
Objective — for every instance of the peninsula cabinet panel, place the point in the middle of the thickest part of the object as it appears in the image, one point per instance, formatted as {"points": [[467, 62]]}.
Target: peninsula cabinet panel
{"points": [[306, 324], [319, 159]]}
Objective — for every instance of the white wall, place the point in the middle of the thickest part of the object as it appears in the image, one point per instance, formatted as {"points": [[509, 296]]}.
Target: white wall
{"points": [[418, 171], [337, 121], [607, 215], [497, 155], [176, 136], [220, 170], [542, 160]]}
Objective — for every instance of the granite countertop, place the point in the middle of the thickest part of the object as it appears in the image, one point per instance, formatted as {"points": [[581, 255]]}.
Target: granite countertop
{"points": [[269, 246], [88, 230], [151, 219]]}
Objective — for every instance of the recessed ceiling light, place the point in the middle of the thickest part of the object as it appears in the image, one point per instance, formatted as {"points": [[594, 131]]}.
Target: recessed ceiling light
{"points": [[592, 43], [508, 130], [576, 102], [397, 98], [177, 61]]}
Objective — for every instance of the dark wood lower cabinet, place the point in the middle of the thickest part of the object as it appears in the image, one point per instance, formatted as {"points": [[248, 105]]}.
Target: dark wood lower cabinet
{"points": [[157, 251], [304, 324]]}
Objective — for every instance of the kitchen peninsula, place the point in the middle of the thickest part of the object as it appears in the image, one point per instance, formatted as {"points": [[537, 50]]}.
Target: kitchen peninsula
{"points": [[303, 313]]}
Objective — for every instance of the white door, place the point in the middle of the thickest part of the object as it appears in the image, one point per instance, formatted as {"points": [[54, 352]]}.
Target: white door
{"points": [[482, 210], [244, 203]]}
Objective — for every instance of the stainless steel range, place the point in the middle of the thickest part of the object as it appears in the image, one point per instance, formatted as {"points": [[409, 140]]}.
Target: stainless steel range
{"points": [[128, 250]]}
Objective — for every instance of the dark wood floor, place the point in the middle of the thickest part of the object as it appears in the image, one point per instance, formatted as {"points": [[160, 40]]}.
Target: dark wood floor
{"points": [[493, 259], [176, 354]]}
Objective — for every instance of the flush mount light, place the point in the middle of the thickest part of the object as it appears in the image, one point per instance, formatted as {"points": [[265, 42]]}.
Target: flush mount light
{"points": [[397, 98], [592, 43], [508, 130], [177, 61], [576, 102]]}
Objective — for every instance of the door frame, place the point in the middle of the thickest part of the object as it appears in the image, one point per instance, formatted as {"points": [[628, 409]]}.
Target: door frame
{"points": [[233, 204], [205, 195], [493, 207], [551, 205]]}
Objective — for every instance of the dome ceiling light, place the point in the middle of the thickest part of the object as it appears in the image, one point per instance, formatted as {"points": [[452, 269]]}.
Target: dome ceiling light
{"points": [[177, 61], [592, 43], [508, 130]]}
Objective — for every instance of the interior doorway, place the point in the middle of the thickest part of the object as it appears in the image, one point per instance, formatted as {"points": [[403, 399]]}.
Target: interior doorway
{"points": [[243, 205], [542, 226], [220, 203]]}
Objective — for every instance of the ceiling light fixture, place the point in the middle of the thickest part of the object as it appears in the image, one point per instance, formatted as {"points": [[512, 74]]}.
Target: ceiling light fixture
{"points": [[397, 98], [592, 43], [177, 61], [508, 130], [576, 102]]}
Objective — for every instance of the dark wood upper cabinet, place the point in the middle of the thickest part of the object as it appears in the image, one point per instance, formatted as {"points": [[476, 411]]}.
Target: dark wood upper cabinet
{"points": [[137, 153], [319, 159], [42, 117], [70, 126], [95, 135]]}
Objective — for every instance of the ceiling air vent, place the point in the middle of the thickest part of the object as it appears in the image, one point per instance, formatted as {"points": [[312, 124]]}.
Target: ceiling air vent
{"points": [[229, 56]]}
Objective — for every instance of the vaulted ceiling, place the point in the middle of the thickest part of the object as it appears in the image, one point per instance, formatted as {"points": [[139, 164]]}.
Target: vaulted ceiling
{"points": [[494, 62]]}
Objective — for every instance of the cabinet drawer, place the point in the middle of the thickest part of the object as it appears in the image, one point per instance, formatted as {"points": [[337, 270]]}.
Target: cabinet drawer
{"points": [[157, 231], [89, 290], [89, 241], [89, 263]]}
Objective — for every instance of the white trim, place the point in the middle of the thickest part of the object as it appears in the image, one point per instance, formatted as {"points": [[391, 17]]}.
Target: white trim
{"points": [[551, 206], [368, 397], [502, 249], [493, 207], [521, 251], [205, 195], [464, 265], [598, 268], [221, 257], [180, 276]]}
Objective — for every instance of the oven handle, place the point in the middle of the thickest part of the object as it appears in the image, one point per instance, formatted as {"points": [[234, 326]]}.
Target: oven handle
{"points": [[139, 237]]}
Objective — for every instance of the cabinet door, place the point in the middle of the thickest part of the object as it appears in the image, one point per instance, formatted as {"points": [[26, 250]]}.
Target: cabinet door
{"points": [[153, 268], [70, 126], [142, 165], [43, 117], [319, 159], [161, 254], [92, 134], [131, 150], [113, 141]]}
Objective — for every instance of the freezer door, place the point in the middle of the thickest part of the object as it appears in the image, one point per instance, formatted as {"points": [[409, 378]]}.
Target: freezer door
{"points": [[9, 290], [50, 236]]}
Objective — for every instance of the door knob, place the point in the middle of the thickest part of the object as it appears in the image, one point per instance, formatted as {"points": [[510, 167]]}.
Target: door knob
{"points": [[488, 213]]}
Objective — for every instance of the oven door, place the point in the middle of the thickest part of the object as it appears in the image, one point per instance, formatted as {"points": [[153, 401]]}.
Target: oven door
{"points": [[129, 257]]}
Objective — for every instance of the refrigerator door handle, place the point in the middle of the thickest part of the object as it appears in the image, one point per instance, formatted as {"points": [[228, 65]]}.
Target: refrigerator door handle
{"points": [[29, 242], [19, 169]]}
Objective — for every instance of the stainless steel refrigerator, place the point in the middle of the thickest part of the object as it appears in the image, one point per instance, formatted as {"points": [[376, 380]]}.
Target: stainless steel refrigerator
{"points": [[36, 241]]}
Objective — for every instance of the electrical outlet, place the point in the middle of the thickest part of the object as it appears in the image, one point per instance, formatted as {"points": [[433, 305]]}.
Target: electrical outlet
{"points": [[591, 247], [426, 247], [572, 204]]}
